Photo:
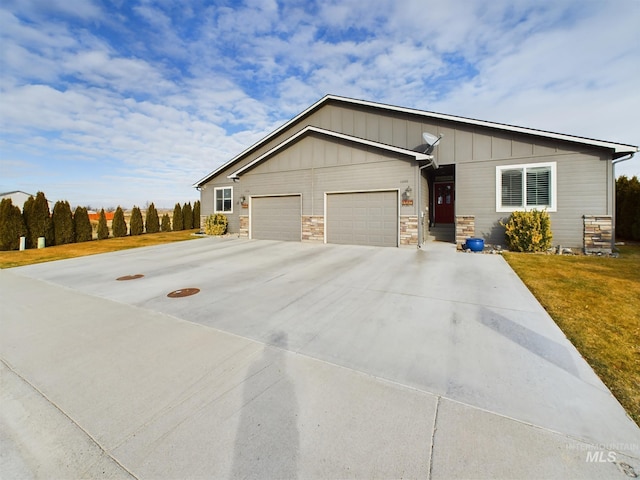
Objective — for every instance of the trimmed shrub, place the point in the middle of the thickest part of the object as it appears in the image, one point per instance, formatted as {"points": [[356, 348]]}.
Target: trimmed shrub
{"points": [[152, 223], [11, 225], [196, 214], [82, 225], [118, 224], [528, 231], [187, 216], [177, 218], [63, 223], [103, 229], [166, 223], [215, 224], [39, 221], [136, 226]]}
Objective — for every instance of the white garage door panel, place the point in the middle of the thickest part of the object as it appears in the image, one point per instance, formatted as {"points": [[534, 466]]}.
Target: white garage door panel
{"points": [[276, 218], [363, 218]]}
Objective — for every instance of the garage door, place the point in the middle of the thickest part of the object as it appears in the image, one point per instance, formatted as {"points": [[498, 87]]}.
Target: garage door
{"points": [[276, 218], [363, 218]]}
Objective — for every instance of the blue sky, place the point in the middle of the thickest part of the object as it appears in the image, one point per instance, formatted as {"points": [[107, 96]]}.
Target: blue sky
{"points": [[127, 102]]}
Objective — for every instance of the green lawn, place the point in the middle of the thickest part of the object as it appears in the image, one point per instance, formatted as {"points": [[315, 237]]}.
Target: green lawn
{"points": [[596, 303], [61, 252]]}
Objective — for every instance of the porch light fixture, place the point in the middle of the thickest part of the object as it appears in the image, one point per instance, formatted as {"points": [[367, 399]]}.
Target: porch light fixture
{"points": [[407, 194]]}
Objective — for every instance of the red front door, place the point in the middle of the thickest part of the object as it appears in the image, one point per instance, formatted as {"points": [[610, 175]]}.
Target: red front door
{"points": [[443, 202]]}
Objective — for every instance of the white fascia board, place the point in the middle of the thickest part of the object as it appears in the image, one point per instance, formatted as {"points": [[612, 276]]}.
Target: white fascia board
{"points": [[265, 139], [402, 151]]}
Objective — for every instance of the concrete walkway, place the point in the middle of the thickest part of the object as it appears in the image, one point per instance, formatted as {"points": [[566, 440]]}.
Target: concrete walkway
{"points": [[295, 361]]}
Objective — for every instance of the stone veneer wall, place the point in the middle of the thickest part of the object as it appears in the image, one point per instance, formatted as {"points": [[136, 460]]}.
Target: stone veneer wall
{"points": [[313, 228], [244, 225], [465, 228], [408, 229], [598, 233]]}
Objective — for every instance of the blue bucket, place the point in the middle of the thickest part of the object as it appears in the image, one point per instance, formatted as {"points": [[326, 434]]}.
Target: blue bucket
{"points": [[475, 244]]}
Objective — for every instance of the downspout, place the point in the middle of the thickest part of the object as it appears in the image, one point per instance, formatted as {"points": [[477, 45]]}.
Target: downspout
{"points": [[419, 202], [613, 226]]}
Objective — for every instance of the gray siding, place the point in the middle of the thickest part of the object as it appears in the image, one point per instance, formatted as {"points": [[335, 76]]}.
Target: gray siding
{"points": [[311, 167], [581, 189]]}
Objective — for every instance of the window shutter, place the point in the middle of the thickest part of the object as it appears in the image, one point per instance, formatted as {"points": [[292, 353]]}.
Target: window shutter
{"points": [[512, 188], [539, 186]]}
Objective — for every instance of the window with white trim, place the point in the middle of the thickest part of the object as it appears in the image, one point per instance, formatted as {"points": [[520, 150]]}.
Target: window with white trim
{"points": [[526, 187], [223, 200]]}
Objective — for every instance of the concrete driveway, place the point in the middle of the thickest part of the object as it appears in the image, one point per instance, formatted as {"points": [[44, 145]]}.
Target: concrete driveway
{"points": [[296, 360]]}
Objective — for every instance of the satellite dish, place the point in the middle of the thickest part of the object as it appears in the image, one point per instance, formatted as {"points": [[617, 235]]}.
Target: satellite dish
{"points": [[430, 141]]}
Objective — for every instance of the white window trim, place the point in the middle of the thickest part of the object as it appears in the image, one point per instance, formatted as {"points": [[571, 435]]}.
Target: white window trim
{"points": [[554, 191], [215, 199]]}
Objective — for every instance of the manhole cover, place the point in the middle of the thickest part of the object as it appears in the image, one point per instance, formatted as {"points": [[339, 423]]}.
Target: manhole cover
{"points": [[130, 277], [184, 292]]}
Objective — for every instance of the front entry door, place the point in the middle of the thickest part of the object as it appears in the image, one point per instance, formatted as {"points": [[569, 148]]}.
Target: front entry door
{"points": [[443, 202]]}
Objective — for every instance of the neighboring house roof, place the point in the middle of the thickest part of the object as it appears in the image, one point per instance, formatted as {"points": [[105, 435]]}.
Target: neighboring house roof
{"points": [[328, 133], [617, 149], [6, 194]]}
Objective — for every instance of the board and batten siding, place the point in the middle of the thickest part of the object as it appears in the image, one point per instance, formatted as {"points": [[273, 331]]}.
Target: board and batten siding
{"points": [[476, 187], [583, 173], [314, 166]]}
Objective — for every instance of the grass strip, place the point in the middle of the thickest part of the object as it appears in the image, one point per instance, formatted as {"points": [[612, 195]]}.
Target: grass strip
{"points": [[30, 256], [596, 303]]}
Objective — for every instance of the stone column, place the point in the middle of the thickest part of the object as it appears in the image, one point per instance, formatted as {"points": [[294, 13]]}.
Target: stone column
{"points": [[465, 228], [408, 229], [598, 233]]}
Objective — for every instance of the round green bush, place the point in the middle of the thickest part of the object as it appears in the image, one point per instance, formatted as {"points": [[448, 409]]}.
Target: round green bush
{"points": [[215, 224]]}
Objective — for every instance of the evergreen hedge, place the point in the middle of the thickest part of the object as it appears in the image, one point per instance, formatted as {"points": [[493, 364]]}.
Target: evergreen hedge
{"points": [[166, 223], [187, 216], [11, 225], [153, 222], [177, 218], [82, 225], [103, 229], [63, 223], [27, 208], [215, 224], [628, 208], [136, 226], [196, 214], [39, 221], [118, 224]]}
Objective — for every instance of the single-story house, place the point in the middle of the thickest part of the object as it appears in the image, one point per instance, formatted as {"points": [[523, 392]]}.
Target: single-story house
{"points": [[18, 197], [358, 172]]}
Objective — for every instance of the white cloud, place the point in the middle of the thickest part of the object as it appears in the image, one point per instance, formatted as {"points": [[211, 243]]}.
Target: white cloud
{"points": [[164, 93]]}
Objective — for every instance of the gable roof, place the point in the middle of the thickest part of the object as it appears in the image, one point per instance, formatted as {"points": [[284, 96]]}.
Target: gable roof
{"points": [[330, 134], [618, 149]]}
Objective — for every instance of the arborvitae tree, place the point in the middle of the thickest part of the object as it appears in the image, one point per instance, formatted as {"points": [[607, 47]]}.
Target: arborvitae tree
{"points": [[196, 214], [177, 218], [63, 223], [136, 226], [40, 224], [166, 223], [82, 225], [153, 222], [628, 208], [187, 216], [103, 230], [118, 224], [11, 225], [26, 216]]}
